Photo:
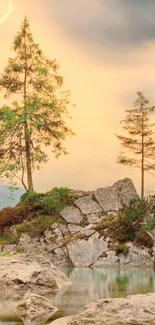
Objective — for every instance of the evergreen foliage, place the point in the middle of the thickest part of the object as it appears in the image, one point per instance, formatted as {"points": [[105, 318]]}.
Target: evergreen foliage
{"points": [[36, 119], [139, 143]]}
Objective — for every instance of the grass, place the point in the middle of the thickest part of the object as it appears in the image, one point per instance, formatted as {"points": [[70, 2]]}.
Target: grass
{"points": [[37, 226]]}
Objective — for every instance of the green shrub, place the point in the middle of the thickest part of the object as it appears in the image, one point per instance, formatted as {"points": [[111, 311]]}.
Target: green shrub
{"points": [[29, 196], [55, 200], [122, 249], [138, 210], [150, 225]]}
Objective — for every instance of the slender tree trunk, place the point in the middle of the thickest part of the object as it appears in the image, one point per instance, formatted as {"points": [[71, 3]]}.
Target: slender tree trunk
{"points": [[26, 130], [142, 161]]}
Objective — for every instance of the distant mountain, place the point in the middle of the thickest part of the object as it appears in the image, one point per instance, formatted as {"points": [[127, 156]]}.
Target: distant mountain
{"points": [[9, 198]]}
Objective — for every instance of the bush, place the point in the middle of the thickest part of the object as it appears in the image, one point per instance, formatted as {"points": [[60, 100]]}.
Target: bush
{"points": [[138, 210], [11, 216], [122, 249], [56, 200], [142, 238]]}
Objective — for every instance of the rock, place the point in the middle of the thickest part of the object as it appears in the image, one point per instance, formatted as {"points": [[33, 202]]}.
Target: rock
{"points": [[108, 199], [62, 321], [63, 228], [87, 231], [93, 218], [25, 242], [26, 273], [110, 259], [35, 309], [9, 249], [133, 310], [74, 228], [71, 215], [85, 253], [127, 191], [136, 257], [87, 205], [49, 236]]}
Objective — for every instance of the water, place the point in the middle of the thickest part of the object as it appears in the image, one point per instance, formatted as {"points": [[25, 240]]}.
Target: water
{"points": [[91, 284]]}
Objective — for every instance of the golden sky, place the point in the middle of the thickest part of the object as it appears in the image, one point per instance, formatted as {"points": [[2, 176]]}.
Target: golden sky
{"points": [[106, 52]]}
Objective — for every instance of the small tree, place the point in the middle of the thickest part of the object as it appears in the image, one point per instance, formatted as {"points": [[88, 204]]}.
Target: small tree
{"points": [[36, 118], [139, 143]]}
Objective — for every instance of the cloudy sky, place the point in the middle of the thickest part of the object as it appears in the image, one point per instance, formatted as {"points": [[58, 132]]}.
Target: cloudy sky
{"points": [[106, 49]]}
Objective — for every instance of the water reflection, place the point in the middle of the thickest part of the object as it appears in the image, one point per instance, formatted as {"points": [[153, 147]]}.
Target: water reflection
{"points": [[92, 284], [89, 285]]}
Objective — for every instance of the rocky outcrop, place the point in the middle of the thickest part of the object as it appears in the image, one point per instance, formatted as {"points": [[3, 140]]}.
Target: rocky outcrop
{"points": [[126, 191], [85, 253], [76, 240], [22, 273], [133, 310], [34, 309]]}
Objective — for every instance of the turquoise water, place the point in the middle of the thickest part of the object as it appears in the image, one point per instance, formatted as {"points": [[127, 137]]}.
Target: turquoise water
{"points": [[92, 284]]}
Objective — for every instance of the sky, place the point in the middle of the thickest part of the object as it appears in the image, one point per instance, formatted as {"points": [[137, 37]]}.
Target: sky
{"points": [[106, 53]]}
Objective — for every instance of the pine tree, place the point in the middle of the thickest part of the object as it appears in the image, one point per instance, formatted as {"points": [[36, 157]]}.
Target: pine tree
{"points": [[36, 117], [139, 144]]}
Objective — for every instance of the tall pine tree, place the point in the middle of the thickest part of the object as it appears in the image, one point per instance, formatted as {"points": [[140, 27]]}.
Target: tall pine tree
{"points": [[139, 142], [36, 117]]}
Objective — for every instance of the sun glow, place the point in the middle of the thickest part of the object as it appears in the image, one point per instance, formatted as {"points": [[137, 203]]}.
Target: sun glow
{"points": [[7, 14]]}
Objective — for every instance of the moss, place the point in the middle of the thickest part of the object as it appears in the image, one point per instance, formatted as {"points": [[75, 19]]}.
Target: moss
{"points": [[37, 226], [122, 249], [20, 250], [10, 237]]}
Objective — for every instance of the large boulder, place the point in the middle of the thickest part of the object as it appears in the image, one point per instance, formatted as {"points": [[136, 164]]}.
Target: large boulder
{"points": [[18, 272], [86, 252], [133, 310], [34, 309], [71, 215], [87, 205], [117, 196], [126, 190]]}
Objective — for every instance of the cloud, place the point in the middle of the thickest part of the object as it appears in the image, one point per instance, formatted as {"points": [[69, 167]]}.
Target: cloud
{"points": [[113, 23]]}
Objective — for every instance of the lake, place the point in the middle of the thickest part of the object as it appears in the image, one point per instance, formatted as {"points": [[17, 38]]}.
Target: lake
{"points": [[92, 284]]}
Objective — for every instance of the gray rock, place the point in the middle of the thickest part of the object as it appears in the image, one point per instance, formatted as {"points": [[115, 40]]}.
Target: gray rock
{"points": [[74, 228], [24, 271], [49, 236], [127, 191], [87, 231], [55, 225], [133, 310], [34, 309], [26, 243], [87, 205], [71, 215], [93, 218], [136, 257], [85, 253], [108, 199], [63, 228], [9, 249]]}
